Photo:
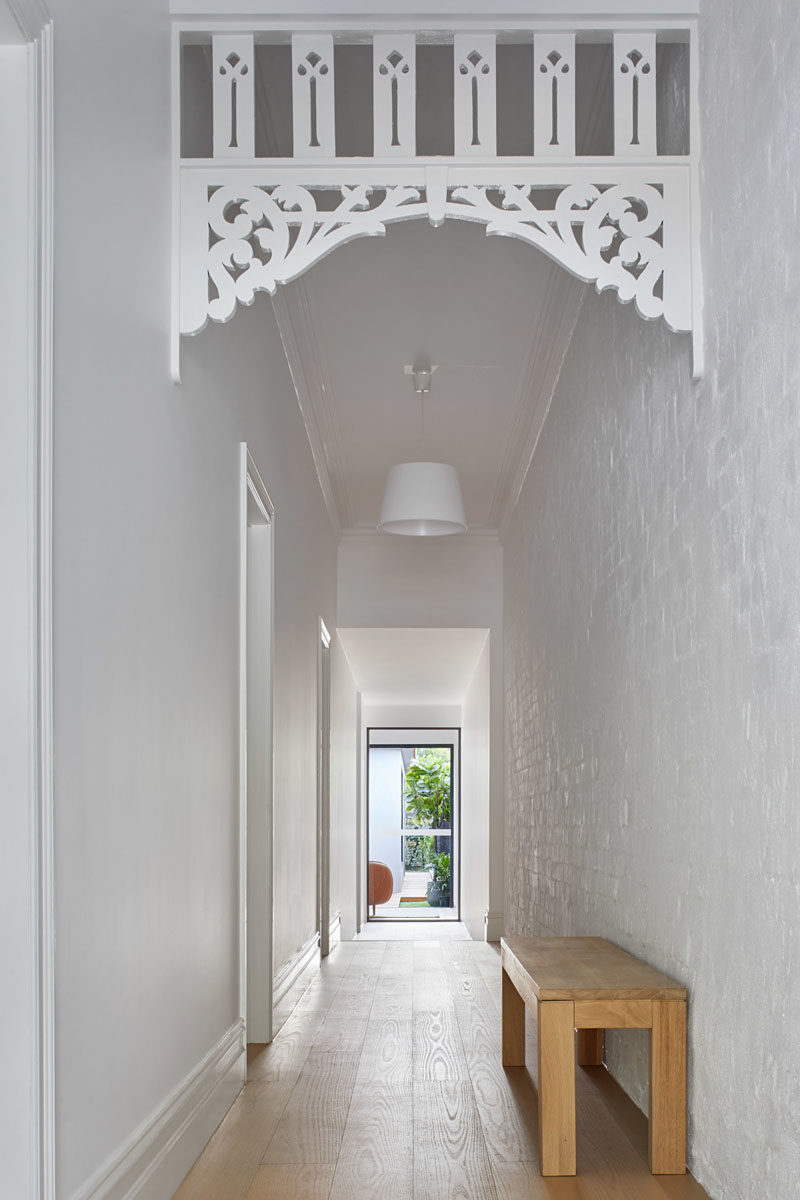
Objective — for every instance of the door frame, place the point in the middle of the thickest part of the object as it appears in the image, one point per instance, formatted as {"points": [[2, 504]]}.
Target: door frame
{"points": [[251, 488], [399, 735], [324, 789], [27, 912]]}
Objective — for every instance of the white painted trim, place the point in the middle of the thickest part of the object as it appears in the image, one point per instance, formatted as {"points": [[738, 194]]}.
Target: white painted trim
{"points": [[251, 484], [154, 1159], [293, 968], [323, 787], [36, 16], [492, 926], [457, 13], [175, 293], [334, 930]]}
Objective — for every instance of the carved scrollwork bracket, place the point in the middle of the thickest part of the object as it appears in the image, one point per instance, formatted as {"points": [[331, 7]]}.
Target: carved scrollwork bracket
{"points": [[630, 234]]}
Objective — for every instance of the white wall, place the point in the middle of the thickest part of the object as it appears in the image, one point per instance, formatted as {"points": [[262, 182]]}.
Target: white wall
{"points": [[146, 569], [652, 635], [397, 582], [345, 750], [476, 768], [385, 805]]}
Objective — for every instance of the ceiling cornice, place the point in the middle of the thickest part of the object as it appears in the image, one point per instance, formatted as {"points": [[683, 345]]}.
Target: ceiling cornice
{"points": [[305, 367], [535, 390], [31, 16], [542, 375]]}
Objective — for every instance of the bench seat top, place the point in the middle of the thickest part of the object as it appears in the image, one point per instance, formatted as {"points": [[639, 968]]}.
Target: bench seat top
{"points": [[584, 968]]}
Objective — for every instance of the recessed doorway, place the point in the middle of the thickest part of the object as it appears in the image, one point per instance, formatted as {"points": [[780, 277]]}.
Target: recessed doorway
{"points": [[413, 831]]}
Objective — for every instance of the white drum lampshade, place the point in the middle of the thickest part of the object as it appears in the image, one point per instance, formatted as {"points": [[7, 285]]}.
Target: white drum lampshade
{"points": [[422, 499]]}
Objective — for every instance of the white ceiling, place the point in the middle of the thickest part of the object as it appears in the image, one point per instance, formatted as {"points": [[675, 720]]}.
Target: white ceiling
{"points": [[492, 314], [425, 666]]}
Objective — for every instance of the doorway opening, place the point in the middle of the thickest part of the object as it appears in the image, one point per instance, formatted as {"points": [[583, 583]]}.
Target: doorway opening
{"points": [[413, 828]]}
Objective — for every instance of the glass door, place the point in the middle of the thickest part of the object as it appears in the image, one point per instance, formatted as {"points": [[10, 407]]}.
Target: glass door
{"points": [[412, 824]]}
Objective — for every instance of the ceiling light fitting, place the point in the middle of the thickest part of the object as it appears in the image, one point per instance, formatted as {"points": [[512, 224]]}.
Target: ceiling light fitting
{"points": [[422, 499]]}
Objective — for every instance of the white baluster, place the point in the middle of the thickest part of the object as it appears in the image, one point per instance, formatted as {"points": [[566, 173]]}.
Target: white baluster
{"points": [[394, 94], [233, 91], [313, 95], [554, 95], [635, 95], [475, 96]]}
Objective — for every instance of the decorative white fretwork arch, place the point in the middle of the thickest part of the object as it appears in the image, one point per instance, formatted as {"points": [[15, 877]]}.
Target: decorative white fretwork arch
{"points": [[625, 222]]}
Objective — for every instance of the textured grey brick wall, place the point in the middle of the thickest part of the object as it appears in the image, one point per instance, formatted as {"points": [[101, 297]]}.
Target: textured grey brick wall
{"points": [[652, 639]]}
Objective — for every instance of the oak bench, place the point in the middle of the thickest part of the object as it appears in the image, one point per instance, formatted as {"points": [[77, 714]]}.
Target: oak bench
{"points": [[588, 984]]}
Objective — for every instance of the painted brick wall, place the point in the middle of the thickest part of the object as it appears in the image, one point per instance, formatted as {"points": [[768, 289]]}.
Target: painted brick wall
{"points": [[652, 634]]}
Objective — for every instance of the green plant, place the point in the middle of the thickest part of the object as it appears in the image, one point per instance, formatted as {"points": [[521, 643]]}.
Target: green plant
{"points": [[419, 852], [440, 869], [427, 789]]}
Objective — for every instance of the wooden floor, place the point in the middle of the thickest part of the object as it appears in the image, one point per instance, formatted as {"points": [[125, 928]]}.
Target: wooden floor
{"points": [[386, 1084]]}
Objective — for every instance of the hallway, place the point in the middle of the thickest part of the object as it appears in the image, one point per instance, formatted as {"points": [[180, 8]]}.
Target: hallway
{"points": [[386, 1084]]}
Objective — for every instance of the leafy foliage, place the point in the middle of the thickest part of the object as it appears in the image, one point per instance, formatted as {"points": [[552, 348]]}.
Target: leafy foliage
{"points": [[419, 852], [427, 789], [440, 867]]}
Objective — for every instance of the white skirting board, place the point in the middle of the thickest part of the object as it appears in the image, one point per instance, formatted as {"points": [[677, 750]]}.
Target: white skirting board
{"points": [[493, 926], [154, 1160], [292, 979], [335, 930]]}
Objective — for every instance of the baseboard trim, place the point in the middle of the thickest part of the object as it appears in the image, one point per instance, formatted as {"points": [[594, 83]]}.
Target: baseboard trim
{"points": [[292, 979], [493, 926], [335, 931], [152, 1162]]}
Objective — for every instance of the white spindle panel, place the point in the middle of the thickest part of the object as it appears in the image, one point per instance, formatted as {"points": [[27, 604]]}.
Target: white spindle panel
{"points": [[554, 95], [394, 95], [313, 95], [475, 98], [635, 94], [234, 95]]}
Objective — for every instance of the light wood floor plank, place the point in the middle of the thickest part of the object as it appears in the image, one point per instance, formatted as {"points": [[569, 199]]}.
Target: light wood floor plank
{"points": [[450, 1159], [311, 1127], [340, 1033], [419, 1108], [281, 1181], [438, 1055], [376, 1159], [507, 1108], [386, 1056]]}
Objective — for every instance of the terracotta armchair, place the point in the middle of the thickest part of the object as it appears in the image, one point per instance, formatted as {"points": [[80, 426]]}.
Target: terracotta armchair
{"points": [[381, 884]]}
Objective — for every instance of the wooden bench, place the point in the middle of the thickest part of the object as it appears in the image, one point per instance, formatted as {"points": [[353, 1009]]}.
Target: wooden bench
{"points": [[589, 984]]}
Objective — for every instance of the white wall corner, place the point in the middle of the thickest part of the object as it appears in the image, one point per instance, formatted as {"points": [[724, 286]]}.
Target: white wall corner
{"points": [[492, 926], [152, 1162]]}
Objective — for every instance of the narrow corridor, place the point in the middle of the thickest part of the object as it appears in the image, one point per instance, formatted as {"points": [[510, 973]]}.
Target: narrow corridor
{"points": [[386, 1084]]}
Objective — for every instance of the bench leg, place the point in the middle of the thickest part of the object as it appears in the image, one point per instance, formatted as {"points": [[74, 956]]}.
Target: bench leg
{"points": [[668, 1088], [556, 1038], [590, 1047], [513, 1025]]}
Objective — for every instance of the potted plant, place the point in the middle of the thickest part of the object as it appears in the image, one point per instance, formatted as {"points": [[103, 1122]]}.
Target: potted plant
{"points": [[438, 890]]}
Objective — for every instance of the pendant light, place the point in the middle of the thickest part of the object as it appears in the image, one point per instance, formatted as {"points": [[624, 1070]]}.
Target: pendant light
{"points": [[422, 499]]}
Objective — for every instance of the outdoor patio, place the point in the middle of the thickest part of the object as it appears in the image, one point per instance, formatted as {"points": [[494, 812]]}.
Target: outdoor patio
{"points": [[410, 903]]}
